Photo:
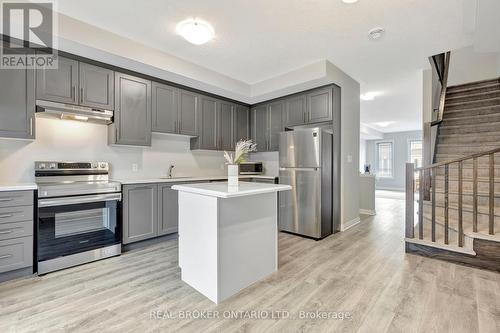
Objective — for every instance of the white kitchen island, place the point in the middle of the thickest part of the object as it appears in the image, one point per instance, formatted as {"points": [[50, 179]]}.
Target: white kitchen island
{"points": [[228, 237]]}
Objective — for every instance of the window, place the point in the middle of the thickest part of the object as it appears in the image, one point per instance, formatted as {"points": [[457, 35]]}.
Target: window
{"points": [[384, 157], [416, 152]]}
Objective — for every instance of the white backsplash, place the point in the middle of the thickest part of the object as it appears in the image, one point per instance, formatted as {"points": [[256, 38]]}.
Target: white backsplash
{"points": [[62, 140]]}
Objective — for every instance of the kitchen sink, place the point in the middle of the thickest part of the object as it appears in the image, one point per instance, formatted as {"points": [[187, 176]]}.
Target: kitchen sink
{"points": [[166, 177]]}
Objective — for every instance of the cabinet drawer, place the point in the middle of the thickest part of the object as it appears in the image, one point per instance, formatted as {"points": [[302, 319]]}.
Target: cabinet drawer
{"points": [[16, 214], [16, 230], [18, 198], [16, 253]]}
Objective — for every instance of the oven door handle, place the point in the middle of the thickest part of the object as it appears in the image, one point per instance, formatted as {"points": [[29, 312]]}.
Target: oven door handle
{"points": [[79, 200]]}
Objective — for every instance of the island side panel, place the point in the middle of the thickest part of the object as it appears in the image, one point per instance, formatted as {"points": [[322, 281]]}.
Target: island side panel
{"points": [[198, 242], [248, 241]]}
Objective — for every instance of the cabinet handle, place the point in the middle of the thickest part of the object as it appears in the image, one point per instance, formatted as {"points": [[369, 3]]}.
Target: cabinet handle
{"points": [[73, 92], [5, 232], [6, 216], [31, 126], [81, 95], [6, 256], [6, 199]]}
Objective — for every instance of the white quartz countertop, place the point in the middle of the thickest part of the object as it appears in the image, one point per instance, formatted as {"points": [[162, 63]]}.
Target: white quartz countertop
{"points": [[4, 187], [185, 179], [222, 190]]}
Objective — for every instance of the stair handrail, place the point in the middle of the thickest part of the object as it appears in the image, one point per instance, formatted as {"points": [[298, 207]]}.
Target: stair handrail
{"points": [[460, 159], [443, 77], [431, 171]]}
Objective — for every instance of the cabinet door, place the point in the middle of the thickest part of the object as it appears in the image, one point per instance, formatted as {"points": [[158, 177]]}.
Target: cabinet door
{"points": [[260, 127], [164, 105], [132, 110], [208, 123], [58, 85], [226, 126], [97, 87], [275, 125], [17, 103], [140, 212], [319, 105], [242, 123], [168, 210], [188, 113], [295, 111]]}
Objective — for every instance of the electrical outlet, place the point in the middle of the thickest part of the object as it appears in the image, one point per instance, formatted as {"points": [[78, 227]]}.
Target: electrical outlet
{"points": [[135, 167], [349, 158], [222, 166]]}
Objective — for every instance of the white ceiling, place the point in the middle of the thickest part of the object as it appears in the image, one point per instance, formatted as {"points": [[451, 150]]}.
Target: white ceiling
{"points": [[260, 39]]}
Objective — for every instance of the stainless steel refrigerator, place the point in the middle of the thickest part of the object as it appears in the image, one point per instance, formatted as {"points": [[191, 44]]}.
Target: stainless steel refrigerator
{"points": [[305, 159]]}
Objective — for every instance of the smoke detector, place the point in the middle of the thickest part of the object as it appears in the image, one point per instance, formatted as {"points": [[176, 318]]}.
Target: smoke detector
{"points": [[376, 33]]}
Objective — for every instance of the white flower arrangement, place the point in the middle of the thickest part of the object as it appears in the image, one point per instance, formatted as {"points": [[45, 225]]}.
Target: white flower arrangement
{"points": [[243, 148]]}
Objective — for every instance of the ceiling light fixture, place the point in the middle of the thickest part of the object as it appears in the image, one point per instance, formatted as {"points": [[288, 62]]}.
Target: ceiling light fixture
{"points": [[195, 31], [384, 123], [369, 96], [349, 1], [376, 33]]}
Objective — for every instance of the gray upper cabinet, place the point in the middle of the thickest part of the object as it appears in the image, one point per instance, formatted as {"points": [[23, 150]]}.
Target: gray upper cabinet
{"points": [[140, 212], [96, 87], [266, 123], [226, 126], [164, 109], [242, 123], [295, 111], [260, 127], [207, 124], [168, 210], [188, 113], [132, 125], [319, 105], [17, 106], [275, 124], [58, 85]]}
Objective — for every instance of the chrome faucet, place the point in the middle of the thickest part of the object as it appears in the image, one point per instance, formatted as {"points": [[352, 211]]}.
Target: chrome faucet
{"points": [[169, 172]]}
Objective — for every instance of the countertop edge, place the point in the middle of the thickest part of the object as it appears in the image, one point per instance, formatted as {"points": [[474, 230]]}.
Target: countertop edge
{"points": [[18, 187], [225, 195]]}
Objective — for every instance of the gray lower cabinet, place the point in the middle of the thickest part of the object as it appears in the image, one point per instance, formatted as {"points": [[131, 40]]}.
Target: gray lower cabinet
{"points": [[242, 123], [132, 124], [187, 113], [17, 106], [319, 105], [140, 212], [59, 84], [16, 234], [168, 210], [165, 108], [96, 87], [226, 126]]}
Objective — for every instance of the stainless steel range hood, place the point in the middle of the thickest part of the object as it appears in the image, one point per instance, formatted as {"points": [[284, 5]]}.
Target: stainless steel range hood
{"points": [[73, 112]]}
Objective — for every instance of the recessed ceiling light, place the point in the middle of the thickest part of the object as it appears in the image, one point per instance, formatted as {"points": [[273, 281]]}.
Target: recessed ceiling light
{"points": [[369, 96], [349, 1], [384, 123], [376, 33], [195, 31]]}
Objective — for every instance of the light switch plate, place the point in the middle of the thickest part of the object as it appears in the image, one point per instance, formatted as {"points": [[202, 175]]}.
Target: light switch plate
{"points": [[135, 167], [349, 158]]}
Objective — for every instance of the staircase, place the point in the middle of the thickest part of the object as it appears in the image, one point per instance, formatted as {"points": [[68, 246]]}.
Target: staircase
{"points": [[460, 212]]}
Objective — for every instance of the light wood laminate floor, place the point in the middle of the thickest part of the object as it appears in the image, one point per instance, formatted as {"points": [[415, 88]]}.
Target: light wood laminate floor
{"points": [[363, 271]]}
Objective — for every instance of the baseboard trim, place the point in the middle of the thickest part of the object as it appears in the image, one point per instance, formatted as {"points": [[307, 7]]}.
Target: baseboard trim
{"points": [[371, 212], [350, 224], [450, 248], [390, 188], [17, 274], [148, 242]]}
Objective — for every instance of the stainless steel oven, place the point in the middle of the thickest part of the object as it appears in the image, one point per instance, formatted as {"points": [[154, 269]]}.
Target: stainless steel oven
{"points": [[79, 216]]}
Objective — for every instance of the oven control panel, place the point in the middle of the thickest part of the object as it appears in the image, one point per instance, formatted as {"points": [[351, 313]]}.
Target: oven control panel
{"points": [[44, 165]]}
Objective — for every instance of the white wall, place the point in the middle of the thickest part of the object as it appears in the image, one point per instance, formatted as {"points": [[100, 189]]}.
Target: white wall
{"points": [[362, 155], [468, 65], [270, 160], [76, 141]]}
